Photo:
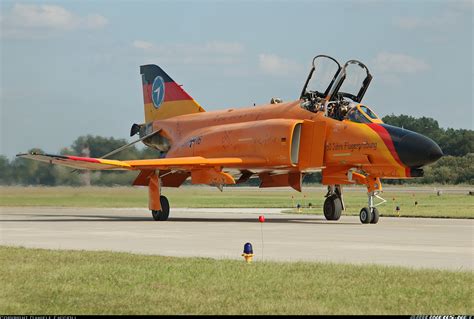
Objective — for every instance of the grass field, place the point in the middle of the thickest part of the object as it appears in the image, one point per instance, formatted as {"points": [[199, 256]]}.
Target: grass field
{"points": [[449, 204], [76, 282]]}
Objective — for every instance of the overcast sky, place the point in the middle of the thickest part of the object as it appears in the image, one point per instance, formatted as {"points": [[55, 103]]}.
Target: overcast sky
{"points": [[71, 68]]}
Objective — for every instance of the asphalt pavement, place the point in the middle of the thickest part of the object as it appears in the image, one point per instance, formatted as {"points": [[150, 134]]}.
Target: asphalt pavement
{"points": [[221, 233]]}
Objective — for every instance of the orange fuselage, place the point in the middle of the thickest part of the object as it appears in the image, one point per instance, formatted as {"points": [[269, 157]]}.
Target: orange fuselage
{"points": [[289, 138]]}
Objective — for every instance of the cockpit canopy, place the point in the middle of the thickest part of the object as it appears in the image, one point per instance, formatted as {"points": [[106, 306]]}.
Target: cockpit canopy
{"points": [[328, 80], [338, 91], [327, 69]]}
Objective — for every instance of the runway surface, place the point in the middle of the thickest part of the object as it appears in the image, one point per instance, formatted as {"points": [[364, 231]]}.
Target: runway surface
{"points": [[222, 233]]}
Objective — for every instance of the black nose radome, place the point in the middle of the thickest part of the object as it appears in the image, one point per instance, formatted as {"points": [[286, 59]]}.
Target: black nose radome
{"points": [[414, 150]]}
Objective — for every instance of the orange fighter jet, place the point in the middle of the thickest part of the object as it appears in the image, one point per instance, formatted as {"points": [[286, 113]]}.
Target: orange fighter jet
{"points": [[327, 129]]}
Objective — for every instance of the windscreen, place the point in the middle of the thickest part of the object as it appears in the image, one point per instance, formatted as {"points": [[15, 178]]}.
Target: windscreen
{"points": [[369, 112], [355, 116]]}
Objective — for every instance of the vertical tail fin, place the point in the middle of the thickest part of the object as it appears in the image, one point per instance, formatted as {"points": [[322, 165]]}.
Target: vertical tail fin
{"points": [[163, 97]]}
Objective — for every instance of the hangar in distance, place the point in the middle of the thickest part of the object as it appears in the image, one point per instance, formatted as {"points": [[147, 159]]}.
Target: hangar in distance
{"points": [[327, 129]]}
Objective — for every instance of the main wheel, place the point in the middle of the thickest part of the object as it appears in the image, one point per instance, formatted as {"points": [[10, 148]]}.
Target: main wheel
{"points": [[365, 215], [375, 216], [164, 213], [332, 207]]}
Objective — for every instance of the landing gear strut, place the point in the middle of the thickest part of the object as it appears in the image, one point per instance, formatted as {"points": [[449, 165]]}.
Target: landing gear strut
{"points": [[158, 204], [370, 214], [333, 205]]}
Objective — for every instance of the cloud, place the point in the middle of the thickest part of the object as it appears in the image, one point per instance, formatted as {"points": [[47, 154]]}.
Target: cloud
{"points": [[275, 65], [139, 44], [391, 67], [209, 53], [442, 22], [94, 21], [398, 63], [30, 20]]}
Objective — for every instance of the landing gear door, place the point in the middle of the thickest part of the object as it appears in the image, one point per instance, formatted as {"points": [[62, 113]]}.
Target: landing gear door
{"points": [[321, 78]]}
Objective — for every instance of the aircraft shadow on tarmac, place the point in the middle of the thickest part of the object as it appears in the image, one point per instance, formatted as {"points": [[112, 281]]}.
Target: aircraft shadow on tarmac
{"points": [[108, 218]]}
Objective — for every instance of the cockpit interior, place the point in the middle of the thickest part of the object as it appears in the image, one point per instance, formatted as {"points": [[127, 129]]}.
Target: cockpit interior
{"points": [[338, 91]]}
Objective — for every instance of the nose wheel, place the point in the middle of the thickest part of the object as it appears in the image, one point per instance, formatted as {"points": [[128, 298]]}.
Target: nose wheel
{"points": [[375, 216], [370, 215]]}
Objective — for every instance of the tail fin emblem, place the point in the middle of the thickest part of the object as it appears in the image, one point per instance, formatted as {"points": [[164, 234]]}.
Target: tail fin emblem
{"points": [[158, 91]]}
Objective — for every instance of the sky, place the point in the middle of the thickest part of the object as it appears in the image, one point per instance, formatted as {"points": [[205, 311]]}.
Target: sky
{"points": [[71, 68]]}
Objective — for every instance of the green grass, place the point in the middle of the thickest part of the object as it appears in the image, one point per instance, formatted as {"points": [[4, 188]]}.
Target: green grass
{"points": [[458, 205], [76, 282]]}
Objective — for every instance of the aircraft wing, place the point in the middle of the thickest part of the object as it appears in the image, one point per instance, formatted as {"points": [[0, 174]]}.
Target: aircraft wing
{"points": [[181, 163]]}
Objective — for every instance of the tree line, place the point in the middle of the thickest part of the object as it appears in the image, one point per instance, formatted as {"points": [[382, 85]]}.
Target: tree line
{"points": [[456, 167]]}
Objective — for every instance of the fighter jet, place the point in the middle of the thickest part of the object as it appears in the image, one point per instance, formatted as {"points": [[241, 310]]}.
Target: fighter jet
{"points": [[327, 129]]}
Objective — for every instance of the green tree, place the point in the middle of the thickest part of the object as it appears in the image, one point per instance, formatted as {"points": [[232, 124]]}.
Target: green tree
{"points": [[457, 142], [5, 171], [312, 178], [99, 146], [28, 172]]}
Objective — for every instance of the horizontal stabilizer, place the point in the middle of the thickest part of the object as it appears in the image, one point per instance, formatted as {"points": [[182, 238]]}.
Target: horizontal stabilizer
{"points": [[78, 162]]}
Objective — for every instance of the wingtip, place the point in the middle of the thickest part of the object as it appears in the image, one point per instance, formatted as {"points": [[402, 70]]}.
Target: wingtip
{"points": [[26, 154]]}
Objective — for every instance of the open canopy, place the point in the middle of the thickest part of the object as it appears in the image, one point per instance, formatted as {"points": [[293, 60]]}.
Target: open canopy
{"points": [[328, 81]]}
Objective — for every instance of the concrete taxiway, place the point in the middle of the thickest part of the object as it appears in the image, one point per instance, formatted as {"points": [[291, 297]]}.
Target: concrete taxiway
{"points": [[222, 233]]}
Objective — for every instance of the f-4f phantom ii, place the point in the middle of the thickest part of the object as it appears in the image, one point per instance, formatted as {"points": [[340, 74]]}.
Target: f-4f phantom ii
{"points": [[327, 129]]}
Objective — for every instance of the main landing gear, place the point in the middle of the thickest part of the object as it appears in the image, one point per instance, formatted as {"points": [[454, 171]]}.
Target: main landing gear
{"points": [[333, 205], [158, 204], [164, 212]]}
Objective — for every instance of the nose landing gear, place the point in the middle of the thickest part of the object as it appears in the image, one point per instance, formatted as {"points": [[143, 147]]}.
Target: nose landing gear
{"points": [[370, 215]]}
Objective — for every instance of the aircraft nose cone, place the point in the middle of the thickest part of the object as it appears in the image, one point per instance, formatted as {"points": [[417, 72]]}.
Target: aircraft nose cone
{"points": [[416, 150], [413, 149]]}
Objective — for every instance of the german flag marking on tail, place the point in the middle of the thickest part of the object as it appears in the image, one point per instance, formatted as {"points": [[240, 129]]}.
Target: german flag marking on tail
{"points": [[163, 97]]}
